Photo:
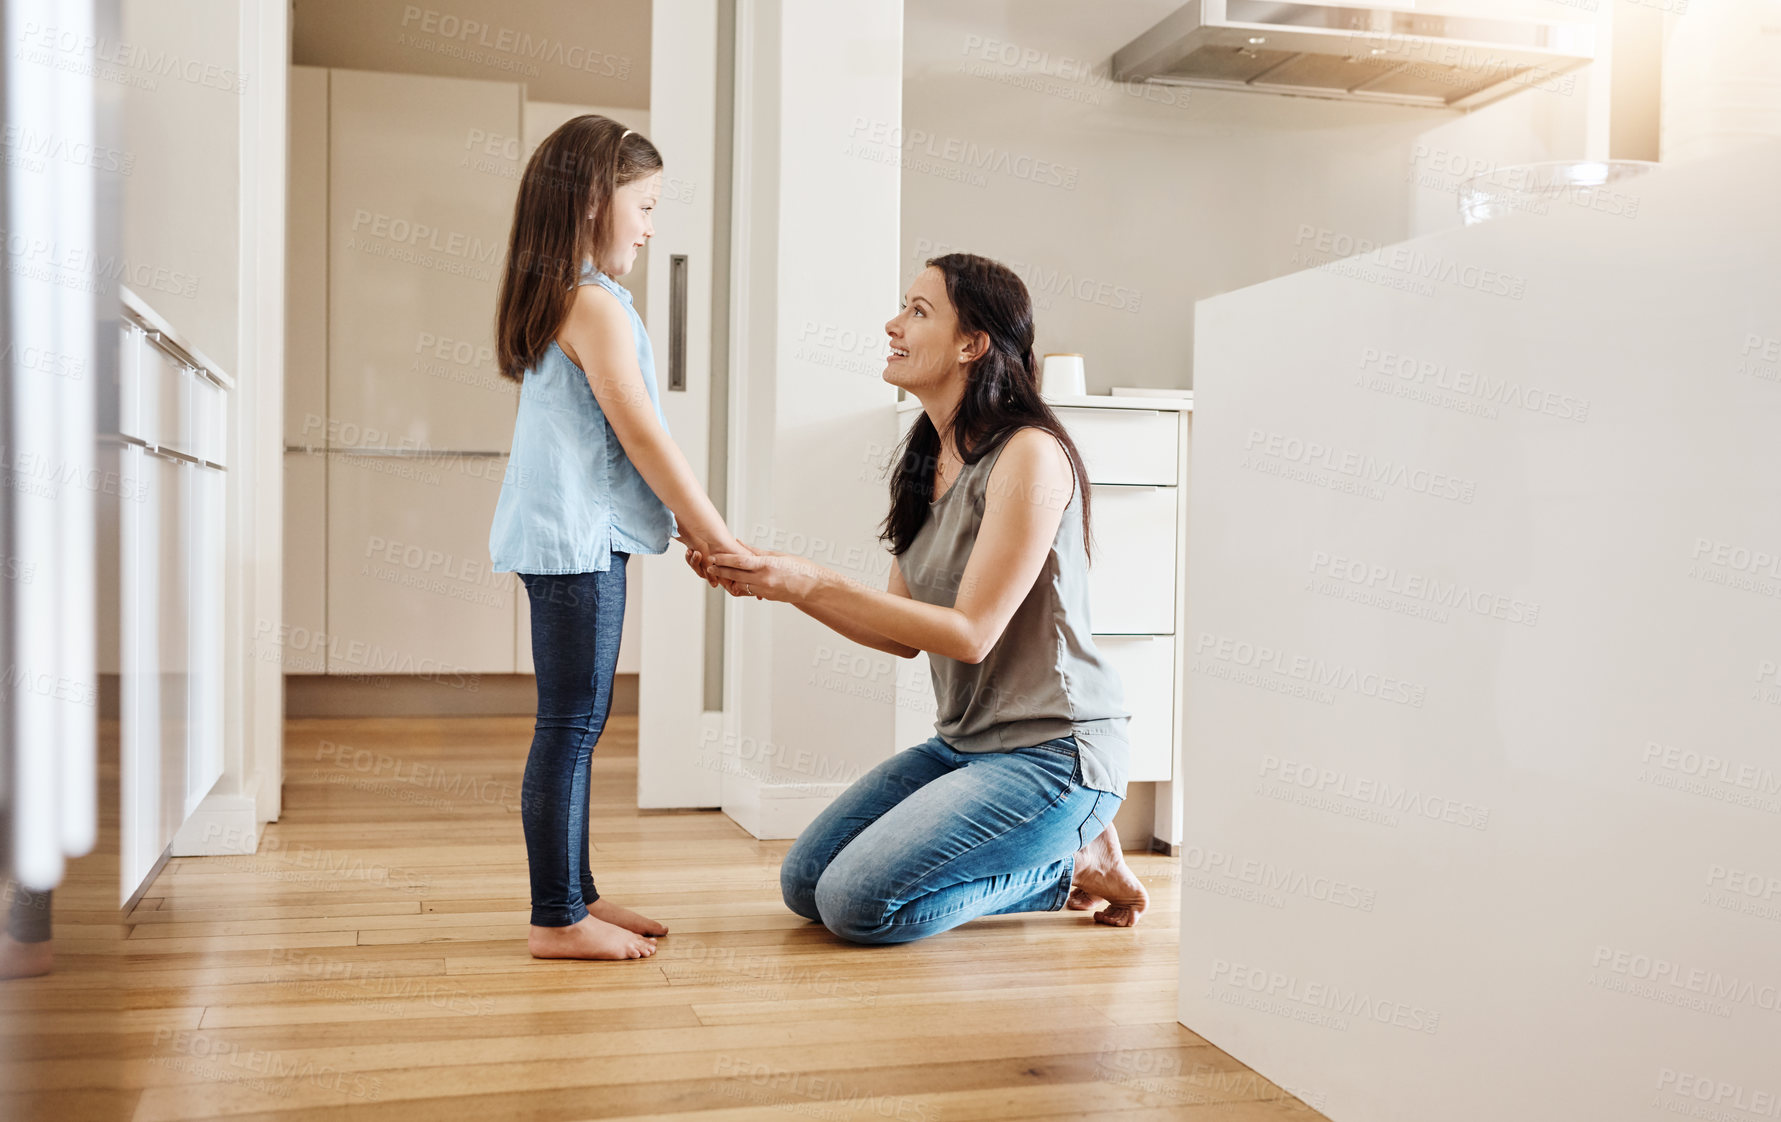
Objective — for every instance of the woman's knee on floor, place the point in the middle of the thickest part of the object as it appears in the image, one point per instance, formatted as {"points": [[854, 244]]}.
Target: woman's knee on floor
{"points": [[853, 910], [798, 875]]}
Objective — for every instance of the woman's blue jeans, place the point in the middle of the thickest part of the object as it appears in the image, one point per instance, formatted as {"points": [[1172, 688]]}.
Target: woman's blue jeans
{"points": [[934, 837], [576, 622]]}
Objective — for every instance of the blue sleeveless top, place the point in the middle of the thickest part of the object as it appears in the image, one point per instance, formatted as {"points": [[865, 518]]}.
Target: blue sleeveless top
{"points": [[571, 498]]}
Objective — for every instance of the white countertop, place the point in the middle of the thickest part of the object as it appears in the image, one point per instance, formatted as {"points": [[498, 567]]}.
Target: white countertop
{"points": [[1092, 401]]}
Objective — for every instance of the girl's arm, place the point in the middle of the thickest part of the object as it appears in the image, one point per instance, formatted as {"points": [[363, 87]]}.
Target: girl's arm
{"points": [[1028, 490], [597, 338]]}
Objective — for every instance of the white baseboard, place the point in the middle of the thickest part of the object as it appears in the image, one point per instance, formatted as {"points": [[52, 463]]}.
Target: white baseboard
{"points": [[771, 811], [223, 825]]}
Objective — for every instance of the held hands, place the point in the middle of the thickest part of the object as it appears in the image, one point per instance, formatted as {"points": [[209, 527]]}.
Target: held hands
{"points": [[699, 552], [766, 575], [742, 570]]}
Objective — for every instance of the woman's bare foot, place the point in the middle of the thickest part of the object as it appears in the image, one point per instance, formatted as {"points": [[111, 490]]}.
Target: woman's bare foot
{"points": [[591, 938], [1081, 901], [625, 918], [24, 960], [1102, 874]]}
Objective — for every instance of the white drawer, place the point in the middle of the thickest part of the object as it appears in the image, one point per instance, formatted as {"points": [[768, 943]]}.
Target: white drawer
{"points": [[1131, 579], [1146, 666], [129, 383], [1125, 445], [209, 421]]}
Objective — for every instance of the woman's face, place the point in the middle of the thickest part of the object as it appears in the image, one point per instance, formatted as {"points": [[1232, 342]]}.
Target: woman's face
{"points": [[632, 224], [926, 347]]}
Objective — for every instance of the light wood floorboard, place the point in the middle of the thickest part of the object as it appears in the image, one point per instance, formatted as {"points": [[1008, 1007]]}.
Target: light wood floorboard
{"points": [[369, 963]]}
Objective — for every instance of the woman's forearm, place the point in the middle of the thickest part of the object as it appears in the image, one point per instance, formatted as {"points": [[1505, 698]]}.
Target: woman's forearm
{"points": [[864, 636], [897, 619]]}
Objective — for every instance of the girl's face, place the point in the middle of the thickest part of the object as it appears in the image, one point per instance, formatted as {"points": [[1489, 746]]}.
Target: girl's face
{"points": [[926, 347], [632, 225]]}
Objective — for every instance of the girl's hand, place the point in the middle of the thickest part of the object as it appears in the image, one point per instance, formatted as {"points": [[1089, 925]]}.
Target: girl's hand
{"points": [[693, 560], [698, 554], [702, 565], [768, 576], [698, 559]]}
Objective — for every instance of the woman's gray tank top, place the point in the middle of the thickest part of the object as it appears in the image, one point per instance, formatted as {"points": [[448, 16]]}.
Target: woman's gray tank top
{"points": [[1043, 679]]}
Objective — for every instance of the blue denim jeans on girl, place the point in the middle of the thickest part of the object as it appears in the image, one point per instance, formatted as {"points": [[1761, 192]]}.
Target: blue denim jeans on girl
{"points": [[934, 837], [576, 622]]}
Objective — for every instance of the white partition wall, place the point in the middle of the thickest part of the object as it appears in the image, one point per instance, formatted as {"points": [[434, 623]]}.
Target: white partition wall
{"points": [[815, 260], [1483, 761], [673, 723]]}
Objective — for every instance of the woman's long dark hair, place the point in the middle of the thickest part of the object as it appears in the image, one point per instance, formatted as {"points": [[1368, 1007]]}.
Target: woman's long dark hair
{"points": [[1001, 394], [576, 169]]}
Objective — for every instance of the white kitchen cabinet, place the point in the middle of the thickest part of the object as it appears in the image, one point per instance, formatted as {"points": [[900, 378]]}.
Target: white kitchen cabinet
{"points": [[418, 218], [1131, 575], [301, 645], [397, 423], [207, 498], [410, 590], [1146, 666], [1125, 445], [306, 262], [1136, 451], [170, 516]]}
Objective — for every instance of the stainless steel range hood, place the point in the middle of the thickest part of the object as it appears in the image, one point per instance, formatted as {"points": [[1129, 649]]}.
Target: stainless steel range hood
{"points": [[1318, 48]]}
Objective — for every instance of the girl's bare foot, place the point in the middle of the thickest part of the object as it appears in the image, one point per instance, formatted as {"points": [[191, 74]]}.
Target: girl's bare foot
{"points": [[591, 938], [625, 918], [24, 960], [1102, 874]]}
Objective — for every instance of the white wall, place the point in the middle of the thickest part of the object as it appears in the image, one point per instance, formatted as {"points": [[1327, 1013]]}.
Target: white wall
{"points": [[816, 254], [250, 791], [1140, 200], [1722, 77], [1517, 855], [567, 51]]}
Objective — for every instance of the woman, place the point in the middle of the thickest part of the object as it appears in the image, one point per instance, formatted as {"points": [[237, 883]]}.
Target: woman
{"points": [[1011, 803], [591, 455]]}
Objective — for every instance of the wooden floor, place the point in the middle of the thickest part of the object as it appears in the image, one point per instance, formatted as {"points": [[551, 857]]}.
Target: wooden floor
{"points": [[369, 963]]}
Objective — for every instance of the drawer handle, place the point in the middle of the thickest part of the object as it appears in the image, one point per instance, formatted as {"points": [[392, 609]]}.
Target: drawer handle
{"points": [[394, 453], [1114, 409]]}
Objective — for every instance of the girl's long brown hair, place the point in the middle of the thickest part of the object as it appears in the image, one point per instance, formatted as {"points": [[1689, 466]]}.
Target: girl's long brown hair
{"points": [[1001, 394], [575, 170]]}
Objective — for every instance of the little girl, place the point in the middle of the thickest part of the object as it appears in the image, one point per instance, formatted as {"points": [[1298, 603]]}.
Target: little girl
{"points": [[594, 477]]}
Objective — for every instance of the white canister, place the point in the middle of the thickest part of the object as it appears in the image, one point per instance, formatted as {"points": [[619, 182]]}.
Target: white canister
{"points": [[1063, 375]]}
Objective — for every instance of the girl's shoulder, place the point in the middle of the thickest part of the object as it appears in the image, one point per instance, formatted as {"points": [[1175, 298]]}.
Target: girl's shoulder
{"points": [[597, 307]]}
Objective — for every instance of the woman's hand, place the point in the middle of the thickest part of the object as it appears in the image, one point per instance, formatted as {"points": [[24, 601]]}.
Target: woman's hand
{"points": [[768, 575]]}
